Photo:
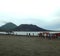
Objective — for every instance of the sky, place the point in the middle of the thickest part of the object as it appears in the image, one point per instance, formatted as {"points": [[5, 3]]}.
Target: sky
{"points": [[43, 13]]}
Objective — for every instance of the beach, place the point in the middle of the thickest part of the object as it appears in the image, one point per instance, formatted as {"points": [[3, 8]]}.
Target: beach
{"points": [[12, 45]]}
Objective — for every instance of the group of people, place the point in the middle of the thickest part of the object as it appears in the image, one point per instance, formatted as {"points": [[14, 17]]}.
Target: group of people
{"points": [[47, 36]]}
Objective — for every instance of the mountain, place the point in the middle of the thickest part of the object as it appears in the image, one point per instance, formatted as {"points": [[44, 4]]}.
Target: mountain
{"points": [[28, 27], [7, 27]]}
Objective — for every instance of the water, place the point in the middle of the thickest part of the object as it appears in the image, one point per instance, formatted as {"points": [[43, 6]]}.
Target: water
{"points": [[3, 33], [31, 33], [21, 33], [25, 33]]}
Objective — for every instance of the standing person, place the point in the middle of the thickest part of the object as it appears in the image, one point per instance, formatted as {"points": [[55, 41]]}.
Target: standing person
{"points": [[40, 35], [54, 36], [45, 35], [29, 34], [49, 36]]}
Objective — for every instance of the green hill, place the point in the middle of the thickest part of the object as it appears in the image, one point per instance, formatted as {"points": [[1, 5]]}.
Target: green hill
{"points": [[7, 27]]}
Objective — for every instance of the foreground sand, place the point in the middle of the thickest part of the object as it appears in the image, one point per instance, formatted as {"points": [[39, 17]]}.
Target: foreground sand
{"points": [[28, 46]]}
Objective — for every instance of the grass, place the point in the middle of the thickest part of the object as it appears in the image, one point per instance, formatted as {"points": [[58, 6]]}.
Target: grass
{"points": [[28, 46]]}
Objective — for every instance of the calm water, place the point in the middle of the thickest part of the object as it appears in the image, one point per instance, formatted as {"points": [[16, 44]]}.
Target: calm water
{"points": [[31, 33], [25, 33]]}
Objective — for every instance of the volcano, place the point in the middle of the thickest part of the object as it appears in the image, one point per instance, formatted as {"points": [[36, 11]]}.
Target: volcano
{"points": [[28, 27]]}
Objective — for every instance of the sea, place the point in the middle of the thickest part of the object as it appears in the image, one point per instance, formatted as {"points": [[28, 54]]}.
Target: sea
{"points": [[27, 32]]}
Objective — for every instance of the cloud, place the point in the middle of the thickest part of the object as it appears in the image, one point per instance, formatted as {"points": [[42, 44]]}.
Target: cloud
{"points": [[44, 13], [29, 7]]}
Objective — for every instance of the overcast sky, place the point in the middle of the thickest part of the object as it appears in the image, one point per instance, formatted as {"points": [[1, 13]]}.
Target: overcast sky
{"points": [[44, 13]]}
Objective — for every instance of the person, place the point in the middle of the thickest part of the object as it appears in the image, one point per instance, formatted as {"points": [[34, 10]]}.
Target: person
{"points": [[45, 35], [40, 35], [29, 34], [49, 36]]}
